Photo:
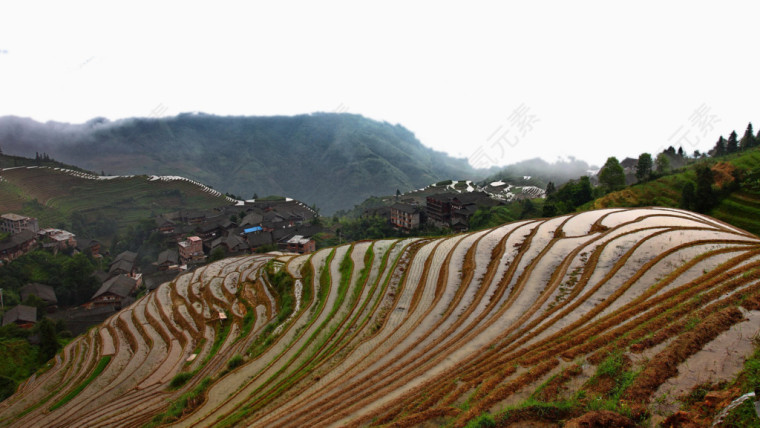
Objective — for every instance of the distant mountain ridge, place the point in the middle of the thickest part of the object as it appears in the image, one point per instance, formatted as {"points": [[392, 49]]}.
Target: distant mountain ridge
{"points": [[332, 160]]}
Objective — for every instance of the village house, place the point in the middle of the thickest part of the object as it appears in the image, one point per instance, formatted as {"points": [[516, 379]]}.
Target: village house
{"points": [[194, 217], [405, 216], [14, 223], [44, 292], [21, 315], [57, 239], [191, 250], [91, 245], [17, 245], [301, 245], [258, 239], [115, 292], [438, 209], [164, 225], [168, 259], [231, 244], [123, 264]]}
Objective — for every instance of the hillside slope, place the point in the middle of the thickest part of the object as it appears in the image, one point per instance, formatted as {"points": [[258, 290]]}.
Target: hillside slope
{"points": [[740, 206], [558, 316], [332, 160], [53, 195]]}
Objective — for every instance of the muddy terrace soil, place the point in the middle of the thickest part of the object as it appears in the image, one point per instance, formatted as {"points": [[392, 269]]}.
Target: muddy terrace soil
{"points": [[416, 331]]}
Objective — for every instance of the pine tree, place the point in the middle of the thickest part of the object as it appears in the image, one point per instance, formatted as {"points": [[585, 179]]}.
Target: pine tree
{"points": [[748, 140], [720, 147], [732, 146], [680, 151], [644, 167]]}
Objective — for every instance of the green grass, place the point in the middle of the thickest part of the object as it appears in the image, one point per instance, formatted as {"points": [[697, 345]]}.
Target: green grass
{"points": [[179, 405], [180, 379], [249, 320], [483, 421], [235, 362], [73, 393], [743, 416]]}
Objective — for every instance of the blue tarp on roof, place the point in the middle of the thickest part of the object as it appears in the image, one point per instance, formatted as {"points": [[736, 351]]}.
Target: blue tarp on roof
{"points": [[253, 229]]}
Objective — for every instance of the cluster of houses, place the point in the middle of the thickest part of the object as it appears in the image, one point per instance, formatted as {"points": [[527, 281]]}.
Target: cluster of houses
{"points": [[447, 209], [118, 288], [24, 235], [284, 225]]}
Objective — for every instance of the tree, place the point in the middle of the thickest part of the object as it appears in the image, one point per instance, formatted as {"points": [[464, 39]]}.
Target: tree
{"points": [[720, 147], [748, 140], [549, 210], [550, 188], [687, 196], [704, 195], [217, 253], [78, 282], [732, 145], [34, 301], [612, 176], [662, 163], [583, 191], [644, 167], [680, 151], [48, 340], [528, 209]]}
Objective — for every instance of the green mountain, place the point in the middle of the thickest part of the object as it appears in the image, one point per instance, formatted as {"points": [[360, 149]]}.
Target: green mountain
{"points": [[332, 160]]}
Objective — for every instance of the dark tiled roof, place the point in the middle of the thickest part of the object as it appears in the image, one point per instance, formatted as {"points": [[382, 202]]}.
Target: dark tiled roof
{"points": [[123, 265], [44, 292], [256, 240], [252, 219], [100, 276], [152, 281], [126, 255], [168, 256], [21, 313], [121, 285], [18, 239], [85, 244], [406, 208]]}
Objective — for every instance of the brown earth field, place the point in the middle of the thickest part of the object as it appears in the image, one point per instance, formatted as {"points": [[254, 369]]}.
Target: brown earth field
{"points": [[608, 318]]}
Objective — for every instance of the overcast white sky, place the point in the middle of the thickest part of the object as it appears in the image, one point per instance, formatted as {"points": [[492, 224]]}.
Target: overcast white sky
{"points": [[496, 82]]}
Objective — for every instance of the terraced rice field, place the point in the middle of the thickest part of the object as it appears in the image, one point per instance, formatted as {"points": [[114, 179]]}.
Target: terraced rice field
{"points": [[127, 199], [416, 331]]}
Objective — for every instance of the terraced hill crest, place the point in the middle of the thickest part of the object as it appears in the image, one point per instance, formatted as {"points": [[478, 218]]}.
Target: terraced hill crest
{"points": [[53, 194], [413, 331]]}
